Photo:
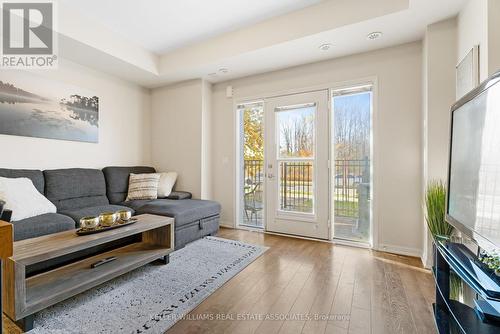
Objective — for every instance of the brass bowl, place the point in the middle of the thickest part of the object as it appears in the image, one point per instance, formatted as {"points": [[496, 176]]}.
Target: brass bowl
{"points": [[107, 218], [89, 222], [124, 215]]}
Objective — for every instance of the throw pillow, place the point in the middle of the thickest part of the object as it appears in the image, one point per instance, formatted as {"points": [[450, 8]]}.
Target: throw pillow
{"points": [[167, 182], [143, 186], [21, 196]]}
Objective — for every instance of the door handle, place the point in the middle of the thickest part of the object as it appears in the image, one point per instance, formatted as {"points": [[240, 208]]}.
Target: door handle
{"points": [[270, 176]]}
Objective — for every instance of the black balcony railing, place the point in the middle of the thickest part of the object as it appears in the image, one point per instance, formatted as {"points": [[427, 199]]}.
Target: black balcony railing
{"points": [[349, 175], [254, 172], [253, 178], [296, 184]]}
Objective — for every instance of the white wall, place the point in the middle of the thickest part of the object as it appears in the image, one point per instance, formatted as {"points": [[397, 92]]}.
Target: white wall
{"points": [[439, 96], [176, 132], [206, 142], [181, 134], [124, 123], [478, 23], [397, 142], [493, 36], [439, 60], [473, 30]]}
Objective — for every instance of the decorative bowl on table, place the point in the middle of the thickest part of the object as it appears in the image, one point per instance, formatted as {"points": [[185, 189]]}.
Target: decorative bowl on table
{"points": [[123, 215], [103, 228], [89, 222], [107, 219]]}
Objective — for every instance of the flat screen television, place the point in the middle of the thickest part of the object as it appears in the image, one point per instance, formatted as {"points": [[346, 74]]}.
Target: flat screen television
{"points": [[473, 200]]}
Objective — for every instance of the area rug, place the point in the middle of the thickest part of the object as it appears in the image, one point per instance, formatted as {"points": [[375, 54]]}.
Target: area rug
{"points": [[152, 298]]}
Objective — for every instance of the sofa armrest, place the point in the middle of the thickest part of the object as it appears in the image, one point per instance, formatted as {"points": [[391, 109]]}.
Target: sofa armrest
{"points": [[180, 195]]}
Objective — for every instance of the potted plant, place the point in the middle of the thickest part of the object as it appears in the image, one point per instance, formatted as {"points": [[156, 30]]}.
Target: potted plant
{"points": [[435, 204]]}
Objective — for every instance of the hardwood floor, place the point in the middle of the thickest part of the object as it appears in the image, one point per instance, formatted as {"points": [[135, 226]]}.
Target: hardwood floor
{"points": [[318, 288], [321, 288]]}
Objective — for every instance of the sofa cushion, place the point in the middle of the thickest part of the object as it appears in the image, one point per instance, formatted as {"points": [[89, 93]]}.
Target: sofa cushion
{"points": [[42, 225], [36, 176], [180, 195], [184, 211], [76, 215], [117, 181], [75, 188], [174, 195], [136, 203]]}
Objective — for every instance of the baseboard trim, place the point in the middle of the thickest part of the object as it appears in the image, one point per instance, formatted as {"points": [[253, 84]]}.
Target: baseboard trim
{"points": [[226, 224], [408, 251], [350, 243]]}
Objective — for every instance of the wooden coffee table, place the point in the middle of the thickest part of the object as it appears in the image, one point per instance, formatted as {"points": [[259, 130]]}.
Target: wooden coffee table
{"points": [[6, 249], [49, 269]]}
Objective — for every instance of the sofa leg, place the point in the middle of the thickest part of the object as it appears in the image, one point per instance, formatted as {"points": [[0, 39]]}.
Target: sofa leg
{"points": [[26, 323], [165, 259]]}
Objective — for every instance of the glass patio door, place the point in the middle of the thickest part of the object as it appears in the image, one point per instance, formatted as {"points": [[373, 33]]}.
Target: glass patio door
{"points": [[297, 164], [351, 173], [251, 165]]}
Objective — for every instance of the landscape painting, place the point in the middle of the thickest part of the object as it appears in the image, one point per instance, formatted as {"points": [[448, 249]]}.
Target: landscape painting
{"points": [[33, 106]]}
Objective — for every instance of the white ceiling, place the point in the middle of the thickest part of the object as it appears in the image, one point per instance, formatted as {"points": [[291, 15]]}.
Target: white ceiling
{"points": [[401, 27], [163, 25], [188, 39]]}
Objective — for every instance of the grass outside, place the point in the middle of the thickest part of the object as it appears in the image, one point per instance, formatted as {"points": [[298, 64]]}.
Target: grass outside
{"points": [[342, 208], [346, 208]]}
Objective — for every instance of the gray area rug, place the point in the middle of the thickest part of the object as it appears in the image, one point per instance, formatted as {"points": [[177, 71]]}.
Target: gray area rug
{"points": [[153, 298]]}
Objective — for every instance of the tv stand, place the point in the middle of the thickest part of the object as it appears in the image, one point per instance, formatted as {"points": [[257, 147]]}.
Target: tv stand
{"points": [[453, 316]]}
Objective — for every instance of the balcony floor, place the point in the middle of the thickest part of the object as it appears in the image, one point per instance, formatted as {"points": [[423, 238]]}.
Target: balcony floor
{"points": [[257, 220], [348, 228]]}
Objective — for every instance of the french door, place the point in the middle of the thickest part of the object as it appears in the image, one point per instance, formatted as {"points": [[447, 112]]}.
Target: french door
{"points": [[296, 167], [286, 182]]}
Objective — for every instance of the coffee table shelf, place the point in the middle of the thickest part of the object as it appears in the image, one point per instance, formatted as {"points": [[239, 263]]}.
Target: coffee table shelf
{"points": [[151, 238], [52, 287]]}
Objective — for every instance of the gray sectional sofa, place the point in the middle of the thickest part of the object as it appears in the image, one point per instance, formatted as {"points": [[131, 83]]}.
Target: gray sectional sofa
{"points": [[79, 192]]}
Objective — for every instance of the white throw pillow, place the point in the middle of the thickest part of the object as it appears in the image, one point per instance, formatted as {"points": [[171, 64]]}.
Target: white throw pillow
{"points": [[21, 196], [167, 182], [143, 186]]}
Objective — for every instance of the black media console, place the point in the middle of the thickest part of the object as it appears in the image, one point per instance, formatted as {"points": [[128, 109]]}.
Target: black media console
{"points": [[467, 293]]}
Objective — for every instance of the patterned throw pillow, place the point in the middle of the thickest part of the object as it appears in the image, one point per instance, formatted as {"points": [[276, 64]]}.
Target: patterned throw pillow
{"points": [[143, 186]]}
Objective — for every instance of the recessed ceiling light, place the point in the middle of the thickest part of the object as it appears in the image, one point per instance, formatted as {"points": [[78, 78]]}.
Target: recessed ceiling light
{"points": [[223, 70], [374, 35], [326, 46], [213, 74]]}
